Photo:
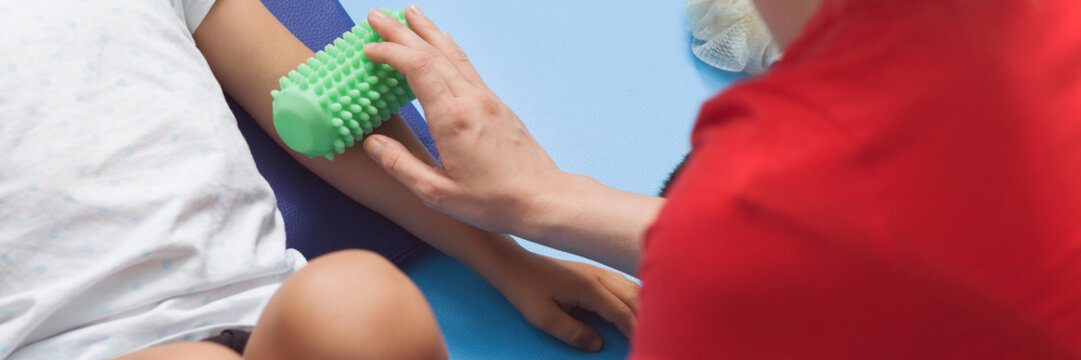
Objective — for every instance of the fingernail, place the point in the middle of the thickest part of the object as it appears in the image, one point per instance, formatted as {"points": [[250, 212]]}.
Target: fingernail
{"points": [[595, 345], [374, 146], [378, 15], [416, 10], [369, 46]]}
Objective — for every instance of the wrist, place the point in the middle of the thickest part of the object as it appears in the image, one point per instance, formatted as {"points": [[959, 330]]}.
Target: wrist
{"points": [[554, 205], [580, 215], [500, 262]]}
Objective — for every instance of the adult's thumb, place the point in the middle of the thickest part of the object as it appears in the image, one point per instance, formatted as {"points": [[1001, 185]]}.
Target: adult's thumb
{"points": [[402, 165]]}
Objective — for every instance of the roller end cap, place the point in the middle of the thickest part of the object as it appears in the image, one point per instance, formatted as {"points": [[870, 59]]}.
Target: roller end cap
{"points": [[302, 124]]}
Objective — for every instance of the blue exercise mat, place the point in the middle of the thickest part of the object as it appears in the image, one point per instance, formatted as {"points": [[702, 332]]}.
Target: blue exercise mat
{"points": [[478, 323]]}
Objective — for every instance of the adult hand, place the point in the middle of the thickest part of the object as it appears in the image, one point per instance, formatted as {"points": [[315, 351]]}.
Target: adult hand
{"points": [[495, 176], [493, 170]]}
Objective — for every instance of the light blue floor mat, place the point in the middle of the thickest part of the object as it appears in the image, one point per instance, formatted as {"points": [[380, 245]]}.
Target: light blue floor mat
{"points": [[609, 88], [478, 323]]}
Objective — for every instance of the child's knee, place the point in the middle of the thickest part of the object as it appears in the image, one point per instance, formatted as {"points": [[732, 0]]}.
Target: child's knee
{"points": [[349, 295], [346, 281], [186, 350], [349, 276]]}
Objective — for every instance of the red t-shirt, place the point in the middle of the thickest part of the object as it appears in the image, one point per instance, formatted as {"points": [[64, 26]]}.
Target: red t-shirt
{"points": [[905, 184]]}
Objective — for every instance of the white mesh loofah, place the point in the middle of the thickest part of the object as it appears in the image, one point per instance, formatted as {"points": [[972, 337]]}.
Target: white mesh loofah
{"points": [[730, 35]]}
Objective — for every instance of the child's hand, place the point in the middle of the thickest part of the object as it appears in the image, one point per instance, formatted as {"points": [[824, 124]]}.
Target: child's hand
{"points": [[544, 289]]}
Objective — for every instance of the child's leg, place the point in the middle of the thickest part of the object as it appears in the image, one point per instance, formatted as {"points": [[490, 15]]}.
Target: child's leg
{"points": [[184, 351], [347, 305]]}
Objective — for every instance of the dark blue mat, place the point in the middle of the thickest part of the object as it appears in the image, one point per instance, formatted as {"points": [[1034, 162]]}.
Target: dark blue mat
{"points": [[318, 218]]}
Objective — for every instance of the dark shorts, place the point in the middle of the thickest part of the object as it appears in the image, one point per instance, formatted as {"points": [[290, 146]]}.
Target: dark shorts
{"points": [[233, 339]]}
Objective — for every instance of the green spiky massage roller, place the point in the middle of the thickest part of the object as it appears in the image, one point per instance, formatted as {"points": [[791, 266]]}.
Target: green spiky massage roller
{"points": [[328, 103]]}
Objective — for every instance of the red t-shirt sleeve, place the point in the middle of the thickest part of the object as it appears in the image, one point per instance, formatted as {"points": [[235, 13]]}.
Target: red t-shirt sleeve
{"points": [[771, 246], [744, 262], [904, 184]]}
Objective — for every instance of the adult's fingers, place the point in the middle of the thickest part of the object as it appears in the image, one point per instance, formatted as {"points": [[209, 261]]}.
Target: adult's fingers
{"points": [[393, 31], [424, 180], [565, 328], [424, 59], [429, 84], [611, 308], [427, 30]]}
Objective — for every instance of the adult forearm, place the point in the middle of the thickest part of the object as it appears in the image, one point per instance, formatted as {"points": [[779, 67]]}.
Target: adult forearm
{"points": [[588, 218]]}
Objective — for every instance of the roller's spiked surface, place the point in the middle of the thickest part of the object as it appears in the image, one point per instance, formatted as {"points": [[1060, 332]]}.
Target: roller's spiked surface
{"points": [[330, 102]]}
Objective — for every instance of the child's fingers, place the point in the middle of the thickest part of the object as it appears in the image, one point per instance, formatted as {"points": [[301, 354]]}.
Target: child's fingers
{"points": [[562, 326], [625, 290], [427, 30], [427, 82], [611, 308], [425, 181]]}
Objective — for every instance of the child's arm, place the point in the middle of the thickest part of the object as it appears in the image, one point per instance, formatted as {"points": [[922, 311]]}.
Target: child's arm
{"points": [[248, 50]]}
